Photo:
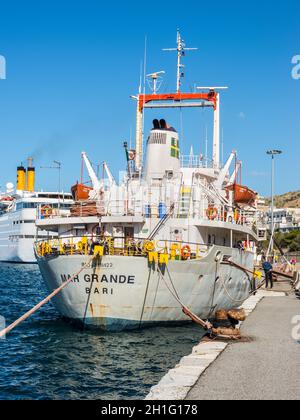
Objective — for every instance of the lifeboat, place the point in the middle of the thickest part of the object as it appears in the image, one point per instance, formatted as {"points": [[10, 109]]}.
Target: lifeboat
{"points": [[7, 199], [81, 192], [242, 194]]}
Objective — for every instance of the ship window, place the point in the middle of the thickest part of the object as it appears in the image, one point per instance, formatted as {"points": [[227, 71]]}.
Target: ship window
{"points": [[175, 153], [56, 196], [29, 205], [175, 142]]}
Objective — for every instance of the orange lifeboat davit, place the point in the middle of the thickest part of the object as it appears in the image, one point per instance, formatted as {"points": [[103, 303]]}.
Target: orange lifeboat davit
{"points": [[243, 195]]}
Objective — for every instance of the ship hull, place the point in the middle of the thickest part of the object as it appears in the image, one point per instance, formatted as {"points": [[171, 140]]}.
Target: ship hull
{"points": [[120, 293]]}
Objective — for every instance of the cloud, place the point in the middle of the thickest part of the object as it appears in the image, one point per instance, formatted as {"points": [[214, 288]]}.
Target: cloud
{"points": [[242, 115]]}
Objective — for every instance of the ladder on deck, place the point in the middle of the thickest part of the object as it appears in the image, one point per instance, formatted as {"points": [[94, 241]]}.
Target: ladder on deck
{"points": [[161, 223]]}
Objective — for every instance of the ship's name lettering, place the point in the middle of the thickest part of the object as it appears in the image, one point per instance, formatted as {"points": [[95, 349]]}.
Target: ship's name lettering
{"points": [[109, 279], [95, 278]]}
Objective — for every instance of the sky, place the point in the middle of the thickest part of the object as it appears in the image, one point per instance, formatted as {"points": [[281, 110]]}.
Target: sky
{"points": [[72, 67]]}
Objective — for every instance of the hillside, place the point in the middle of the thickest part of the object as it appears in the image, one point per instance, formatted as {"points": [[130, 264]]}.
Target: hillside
{"points": [[288, 200]]}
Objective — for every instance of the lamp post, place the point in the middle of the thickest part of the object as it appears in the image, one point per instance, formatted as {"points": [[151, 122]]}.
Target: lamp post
{"points": [[272, 153]]}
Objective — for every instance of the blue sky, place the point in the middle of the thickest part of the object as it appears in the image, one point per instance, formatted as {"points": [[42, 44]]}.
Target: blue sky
{"points": [[72, 66]]}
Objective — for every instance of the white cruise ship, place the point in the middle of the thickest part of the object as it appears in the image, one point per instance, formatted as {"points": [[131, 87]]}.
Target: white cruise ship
{"points": [[19, 210]]}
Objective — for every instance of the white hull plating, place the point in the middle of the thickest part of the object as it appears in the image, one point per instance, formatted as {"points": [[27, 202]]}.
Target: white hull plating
{"points": [[16, 239], [124, 293]]}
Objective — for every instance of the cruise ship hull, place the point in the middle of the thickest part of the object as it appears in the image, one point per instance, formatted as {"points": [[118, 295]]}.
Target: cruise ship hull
{"points": [[120, 293], [16, 248]]}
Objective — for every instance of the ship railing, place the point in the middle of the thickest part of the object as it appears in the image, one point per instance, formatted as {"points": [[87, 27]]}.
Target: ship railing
{"points": [[195, 162], [185, 208], [119, 246]]}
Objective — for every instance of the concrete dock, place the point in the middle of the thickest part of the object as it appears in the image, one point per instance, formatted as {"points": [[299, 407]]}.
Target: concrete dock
{"points": [[265, 365]]}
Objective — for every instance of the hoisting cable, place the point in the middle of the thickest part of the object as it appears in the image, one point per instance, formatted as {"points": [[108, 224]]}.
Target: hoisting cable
{"points": [[23, 318]]}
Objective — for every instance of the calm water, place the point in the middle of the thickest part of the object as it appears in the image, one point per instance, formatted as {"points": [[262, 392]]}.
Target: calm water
{"points": [[46, 358]]}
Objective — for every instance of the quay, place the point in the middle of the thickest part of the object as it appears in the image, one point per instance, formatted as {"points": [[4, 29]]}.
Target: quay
{"points": [[264, 365]]}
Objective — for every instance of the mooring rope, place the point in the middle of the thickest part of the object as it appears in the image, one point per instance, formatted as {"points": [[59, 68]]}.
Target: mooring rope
{"points": [[246, 270], [186, 310], [205, 325], [237, 300], [23, 318]]}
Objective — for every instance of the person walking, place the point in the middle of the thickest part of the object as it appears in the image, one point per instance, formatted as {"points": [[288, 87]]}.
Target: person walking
{"points": [[268, 269]]}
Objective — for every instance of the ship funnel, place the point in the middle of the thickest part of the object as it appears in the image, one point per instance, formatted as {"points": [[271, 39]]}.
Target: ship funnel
{"points": [[30, 176], [163, 154], [21, 178]]}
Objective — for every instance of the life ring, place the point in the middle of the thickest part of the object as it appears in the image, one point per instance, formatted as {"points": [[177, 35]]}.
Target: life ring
{"points": [[149, 246], [212, 213], [185, 252], [46, 211]]}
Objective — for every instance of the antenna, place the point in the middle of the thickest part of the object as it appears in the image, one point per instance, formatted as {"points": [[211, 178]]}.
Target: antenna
{"points": [[206, 146], [181, 48], [58, 166], [156, 81]]}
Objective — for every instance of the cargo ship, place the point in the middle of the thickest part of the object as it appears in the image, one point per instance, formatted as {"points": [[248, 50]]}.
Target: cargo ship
{"points": [[178, 232]]}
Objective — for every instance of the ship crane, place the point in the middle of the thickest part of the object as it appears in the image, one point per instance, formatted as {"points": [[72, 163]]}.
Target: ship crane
{"points": [[234, 176], [98, 186], [216, 140], [208, 98], [223, 174]]}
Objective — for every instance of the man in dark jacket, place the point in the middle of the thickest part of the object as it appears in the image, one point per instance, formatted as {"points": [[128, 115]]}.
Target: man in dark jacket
{"points": [[268, 268]]}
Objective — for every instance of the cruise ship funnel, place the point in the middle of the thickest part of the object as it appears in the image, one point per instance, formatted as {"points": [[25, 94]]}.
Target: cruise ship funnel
{"points": [[21, 178], [30, 176]]}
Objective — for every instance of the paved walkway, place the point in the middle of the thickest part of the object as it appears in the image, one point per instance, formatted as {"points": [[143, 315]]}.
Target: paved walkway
{"points": [[266, 368]]}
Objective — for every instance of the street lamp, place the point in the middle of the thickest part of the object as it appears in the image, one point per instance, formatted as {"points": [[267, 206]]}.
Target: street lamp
{"points": [[273, 153]]}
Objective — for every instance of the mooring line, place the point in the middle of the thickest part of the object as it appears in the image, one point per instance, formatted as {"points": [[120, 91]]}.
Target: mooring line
{"points": [[194, 317], [23, 318]]}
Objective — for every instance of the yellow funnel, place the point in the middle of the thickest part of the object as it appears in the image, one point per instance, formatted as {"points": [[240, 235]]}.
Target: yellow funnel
{"points": [[21, 179], [30, 179]]}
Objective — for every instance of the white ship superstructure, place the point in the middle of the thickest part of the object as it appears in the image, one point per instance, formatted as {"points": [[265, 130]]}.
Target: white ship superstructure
{"points": [[177, 231], [19, 211]]}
